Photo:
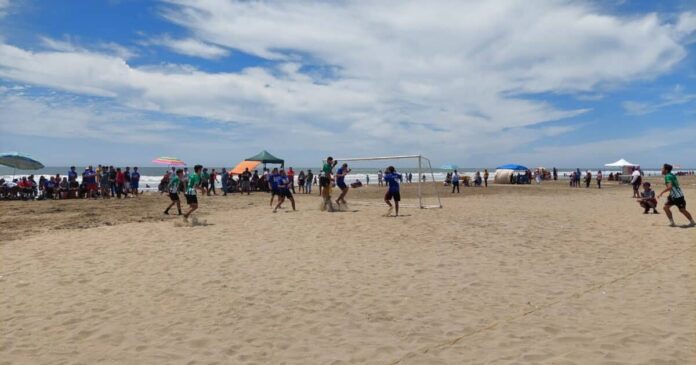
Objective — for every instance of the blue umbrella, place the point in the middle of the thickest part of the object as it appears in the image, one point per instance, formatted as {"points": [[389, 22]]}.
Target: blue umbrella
{"points": [[449, 166], [19, 161], [512, 166]]}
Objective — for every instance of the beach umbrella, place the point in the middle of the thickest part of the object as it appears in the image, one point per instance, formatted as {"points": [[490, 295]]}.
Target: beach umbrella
{"points": [[449, 166], [170, 161], [16, 160]]}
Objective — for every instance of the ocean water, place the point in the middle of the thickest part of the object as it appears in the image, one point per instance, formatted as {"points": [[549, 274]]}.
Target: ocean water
{"points": [[151, 176]]}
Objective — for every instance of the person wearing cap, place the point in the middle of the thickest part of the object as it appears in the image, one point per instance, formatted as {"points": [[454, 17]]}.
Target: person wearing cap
{"points": [[647, 199]]}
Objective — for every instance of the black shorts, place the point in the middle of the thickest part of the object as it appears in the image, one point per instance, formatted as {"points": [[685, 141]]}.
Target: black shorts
{"points": [[678, 202], [191, 199], [324, 181], [341, 185], [396, 196], [204, 184], [174, 197], [275, 192], [286, 193]]}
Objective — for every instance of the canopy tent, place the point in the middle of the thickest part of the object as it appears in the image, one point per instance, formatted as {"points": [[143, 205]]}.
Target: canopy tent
{"points": [[265, 157], [512, 166], [621, 163], [507, 174], [626, 167], [251, 165]]}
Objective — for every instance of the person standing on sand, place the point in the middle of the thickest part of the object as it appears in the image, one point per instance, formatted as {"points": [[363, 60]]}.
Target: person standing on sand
{"points": [[273, 184], [675, 197], [455, 181], [291, 176], [485, 177], [245, 178], [341, 183], [599, 179], [636, 180], [120, 182], [588, 179], [104, 183], [555, 174], [284, 190], [173, 188], [392, 179], [112, 180], [205, 177], [301, 181], [380, 178], [325, 183], [89, 179], [225, 181], [212, 179], [308, 183], [135, 181], [194, 182]]}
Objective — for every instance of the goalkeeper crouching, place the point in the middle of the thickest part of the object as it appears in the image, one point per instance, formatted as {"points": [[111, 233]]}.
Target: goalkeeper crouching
{"points": [[392, 179]]}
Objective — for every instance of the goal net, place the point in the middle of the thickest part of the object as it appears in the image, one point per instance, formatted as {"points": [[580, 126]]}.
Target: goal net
{"points": [[418, 185]]}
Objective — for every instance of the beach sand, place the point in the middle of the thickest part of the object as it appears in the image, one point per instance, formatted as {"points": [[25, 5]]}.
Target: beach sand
{"points": [[505, 275]]}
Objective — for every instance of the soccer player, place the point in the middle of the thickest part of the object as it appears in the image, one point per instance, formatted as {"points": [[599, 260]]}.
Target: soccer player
{"points": [[325, 182], [273, 179], [194, 182], [173, 188], [676, 196], [284, 190], [341, 183], [392, 178]]}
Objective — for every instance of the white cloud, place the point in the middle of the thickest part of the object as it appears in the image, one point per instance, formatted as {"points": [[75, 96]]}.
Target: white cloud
{"points": [[649, 148], [675, 97], [64, 117], [190, 47], [419, 76], [69, 45]]}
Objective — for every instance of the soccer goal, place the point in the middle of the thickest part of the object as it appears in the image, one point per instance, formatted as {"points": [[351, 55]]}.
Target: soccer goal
{"points": [[418, 192]]}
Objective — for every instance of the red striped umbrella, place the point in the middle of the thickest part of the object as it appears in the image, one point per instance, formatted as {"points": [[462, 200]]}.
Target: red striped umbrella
{"points": [[171, 161]]}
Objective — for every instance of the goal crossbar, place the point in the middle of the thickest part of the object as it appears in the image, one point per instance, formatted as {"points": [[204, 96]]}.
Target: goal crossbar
{"points": [[420, 173]]}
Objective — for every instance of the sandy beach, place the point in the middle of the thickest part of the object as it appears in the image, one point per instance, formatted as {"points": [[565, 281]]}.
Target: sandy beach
{"points": [[535, 274]]}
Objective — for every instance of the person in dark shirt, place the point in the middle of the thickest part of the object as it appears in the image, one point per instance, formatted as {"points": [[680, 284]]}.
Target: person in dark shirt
{"points": [[647, 199], [392, 178]]}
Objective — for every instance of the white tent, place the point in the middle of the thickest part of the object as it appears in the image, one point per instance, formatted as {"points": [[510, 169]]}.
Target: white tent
{"points": [[621, 163], [626, 167]]}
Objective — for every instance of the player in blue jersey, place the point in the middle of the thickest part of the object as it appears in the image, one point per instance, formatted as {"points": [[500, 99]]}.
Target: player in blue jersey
{"points": [[392, 178], [341, 183]]}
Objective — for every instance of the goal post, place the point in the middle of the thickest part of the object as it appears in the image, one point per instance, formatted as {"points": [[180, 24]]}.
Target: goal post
{"points": [[423, 164]]}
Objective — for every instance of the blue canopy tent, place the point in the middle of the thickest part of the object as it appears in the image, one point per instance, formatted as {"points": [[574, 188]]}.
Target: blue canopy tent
{"points": [[512, 166], [510, 174]]}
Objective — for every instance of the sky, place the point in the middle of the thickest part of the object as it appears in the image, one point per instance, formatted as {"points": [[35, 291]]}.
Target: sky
{"points": [[543, 83]]}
